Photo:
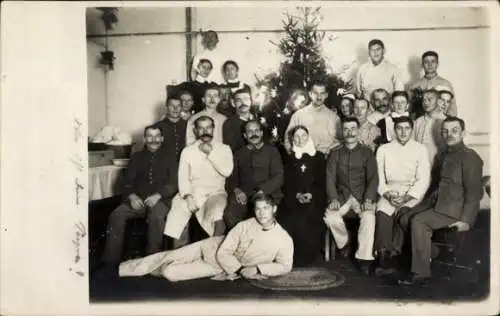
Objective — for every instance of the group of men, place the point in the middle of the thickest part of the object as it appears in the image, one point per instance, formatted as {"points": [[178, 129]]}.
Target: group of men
{"points": [[218, 168]]}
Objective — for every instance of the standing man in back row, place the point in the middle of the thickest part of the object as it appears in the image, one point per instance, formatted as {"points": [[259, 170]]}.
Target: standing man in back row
{"points": [[377, 72], [431, 80]]}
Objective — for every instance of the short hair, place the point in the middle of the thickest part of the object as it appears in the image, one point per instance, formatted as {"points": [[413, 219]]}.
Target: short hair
{"points": [[378, 90], [455, 119], [203, 118], [154, 126], [430, 53], [211, 86], [183, 92], [230, 62], [264, 197], [294, 129], [433, 91], [318, 82], [240, 91], [174, 97], [204, 60], [403, 119], [347, 98], [362, 99], [244, 126], [446, 92], [212, 33], [349, 120], [374, 42], [400, 93]]}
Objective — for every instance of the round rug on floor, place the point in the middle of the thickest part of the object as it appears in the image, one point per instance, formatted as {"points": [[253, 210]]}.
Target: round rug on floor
{"points": [[302, 279]]}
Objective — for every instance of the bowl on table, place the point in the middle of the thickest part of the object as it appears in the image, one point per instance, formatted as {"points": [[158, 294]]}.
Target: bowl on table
{"points": [[120, 162]]}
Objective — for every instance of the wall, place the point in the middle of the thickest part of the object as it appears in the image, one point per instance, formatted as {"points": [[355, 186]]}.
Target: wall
{"points": [[144, 65], [245, 34], [96, 84]]}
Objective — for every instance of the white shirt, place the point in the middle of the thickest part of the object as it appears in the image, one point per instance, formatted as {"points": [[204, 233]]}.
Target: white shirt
{"points": [[322, 125], [376, 116], [384, 75], [200, 173], [247, 244], [218, 118], [217, 61], [403, 168]]}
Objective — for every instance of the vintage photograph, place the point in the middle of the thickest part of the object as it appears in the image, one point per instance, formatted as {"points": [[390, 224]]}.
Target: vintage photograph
{"points": [[317, 153]]}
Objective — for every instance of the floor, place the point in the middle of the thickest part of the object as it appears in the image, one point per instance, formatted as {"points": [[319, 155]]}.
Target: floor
{"points": [[468, 279]]}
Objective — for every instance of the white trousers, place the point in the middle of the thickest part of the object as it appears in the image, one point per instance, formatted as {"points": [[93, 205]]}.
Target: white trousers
{"points": [[194, 261], [366, 233], [211, 209]]}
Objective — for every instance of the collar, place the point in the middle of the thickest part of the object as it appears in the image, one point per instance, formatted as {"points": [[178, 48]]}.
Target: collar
{"points": [[314, 108], [395, 115], [455, 148], [307, 149], [379, 64], [237, 80], [354, 148], [201, 79], [253, 148], [250, 117], [270, 228], [430, 78]]}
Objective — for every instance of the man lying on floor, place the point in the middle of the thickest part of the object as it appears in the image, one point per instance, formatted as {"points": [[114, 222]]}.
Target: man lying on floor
{"points": [[254, 249]]}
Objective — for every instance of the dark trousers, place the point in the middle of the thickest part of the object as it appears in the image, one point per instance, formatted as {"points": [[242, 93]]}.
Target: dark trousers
{"points": [[384, 226], [235, 212], [155, 218], [422, 226]]}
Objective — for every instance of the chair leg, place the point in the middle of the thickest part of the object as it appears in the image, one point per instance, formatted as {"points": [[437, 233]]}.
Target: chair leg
{"points": [[327, 246]]}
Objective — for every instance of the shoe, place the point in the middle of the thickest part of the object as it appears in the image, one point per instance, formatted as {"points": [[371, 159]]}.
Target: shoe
{"points": [[414, 279], [345, 252], [365, 267], [380, 272]]}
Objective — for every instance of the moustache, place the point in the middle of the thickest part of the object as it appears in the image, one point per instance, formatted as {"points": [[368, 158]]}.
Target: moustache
{"points": [[206, 135], [254, 137]]}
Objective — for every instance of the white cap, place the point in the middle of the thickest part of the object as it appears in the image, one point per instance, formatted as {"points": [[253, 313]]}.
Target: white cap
{"points": [[444, 89]]}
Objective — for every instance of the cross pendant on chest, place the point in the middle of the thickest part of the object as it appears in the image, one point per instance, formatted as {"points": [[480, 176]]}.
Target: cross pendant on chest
{"points": [[303, 168]]}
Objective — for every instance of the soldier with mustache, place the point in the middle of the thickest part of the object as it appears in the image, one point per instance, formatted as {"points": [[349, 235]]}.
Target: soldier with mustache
{"points": [[257, 169]]}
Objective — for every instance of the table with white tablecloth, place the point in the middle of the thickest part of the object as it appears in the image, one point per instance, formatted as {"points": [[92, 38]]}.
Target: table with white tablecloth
{"points": [[105, 181]]}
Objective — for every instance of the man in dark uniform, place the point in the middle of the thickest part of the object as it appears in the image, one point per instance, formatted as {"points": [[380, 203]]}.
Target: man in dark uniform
{"points": [[149, 185], [232, 130], [257, 168], [454, 203], [173, 127]]}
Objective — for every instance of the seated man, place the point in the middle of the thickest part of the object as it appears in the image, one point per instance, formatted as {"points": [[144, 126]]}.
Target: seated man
{"points": [[257, 169], [211, 99], [351, 185], [203, 169], [368, 132], [149, 185], [428, 126], [254, 249], [232, 130], [404, 176], [454, 203]]}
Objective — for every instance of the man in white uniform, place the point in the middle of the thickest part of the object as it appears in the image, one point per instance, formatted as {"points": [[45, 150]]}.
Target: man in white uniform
{"points": [[210, 39], [404, 177], [203, 169], [254, 249]]}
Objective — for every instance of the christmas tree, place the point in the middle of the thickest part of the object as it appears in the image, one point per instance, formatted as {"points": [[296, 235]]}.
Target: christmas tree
{"points": [[304, 63]]}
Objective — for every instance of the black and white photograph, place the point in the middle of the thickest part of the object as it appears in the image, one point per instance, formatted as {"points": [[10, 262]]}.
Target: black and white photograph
{"points": [[314, 153], [288, 152]]}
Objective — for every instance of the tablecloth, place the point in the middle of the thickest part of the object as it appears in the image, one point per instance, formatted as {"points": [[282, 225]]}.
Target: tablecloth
{"points": [[104, 181]]}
